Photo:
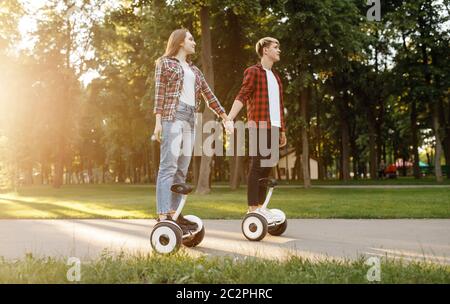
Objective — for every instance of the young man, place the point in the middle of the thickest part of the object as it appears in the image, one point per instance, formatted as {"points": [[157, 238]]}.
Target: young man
{"points": [[262, 94]]}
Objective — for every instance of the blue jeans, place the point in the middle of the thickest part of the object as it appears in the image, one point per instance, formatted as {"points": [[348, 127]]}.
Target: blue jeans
{"points": [[177, 143]]}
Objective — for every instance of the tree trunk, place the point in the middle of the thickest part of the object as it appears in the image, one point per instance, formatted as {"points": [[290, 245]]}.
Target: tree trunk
{"points": [[431, 103], [320, 162], [203, 184], [121, 171], [196, 161], [237, 166], [372, 150], [438, 149], [345, 141], [415, 142], [305, 145], [28, 174], [445, 126], [446, 148], [61, 150], [63, 101], [146, 164], [355, 167], [298, 162]]}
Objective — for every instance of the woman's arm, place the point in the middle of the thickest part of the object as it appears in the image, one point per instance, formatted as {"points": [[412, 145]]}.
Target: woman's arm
{"points": [[211, 100], [214, 104], [160, 87], [160, 92]]}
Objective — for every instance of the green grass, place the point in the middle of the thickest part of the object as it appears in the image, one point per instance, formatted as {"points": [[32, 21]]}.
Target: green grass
{"points": [[138, 201], [408, 180], [181, 268]]}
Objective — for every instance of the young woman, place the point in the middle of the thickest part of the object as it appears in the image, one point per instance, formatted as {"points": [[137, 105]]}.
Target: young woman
{"points": [[179, 87]]}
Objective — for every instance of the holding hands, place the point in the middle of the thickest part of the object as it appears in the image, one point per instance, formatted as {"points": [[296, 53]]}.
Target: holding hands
{"points": [[228, 124]]}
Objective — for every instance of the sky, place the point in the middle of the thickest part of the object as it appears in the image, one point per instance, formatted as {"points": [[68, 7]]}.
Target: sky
{"points": [[28, 24]]}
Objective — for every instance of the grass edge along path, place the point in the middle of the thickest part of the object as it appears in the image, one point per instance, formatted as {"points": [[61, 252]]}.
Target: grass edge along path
{"points": [[182, 268], [138, 202]]}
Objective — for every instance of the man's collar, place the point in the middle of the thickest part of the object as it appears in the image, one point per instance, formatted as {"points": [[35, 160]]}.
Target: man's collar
{"points": [[259, 65]]}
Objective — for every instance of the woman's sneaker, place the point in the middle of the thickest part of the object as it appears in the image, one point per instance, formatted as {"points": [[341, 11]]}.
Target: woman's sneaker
{"points": [[182, 221], [186, 226]]}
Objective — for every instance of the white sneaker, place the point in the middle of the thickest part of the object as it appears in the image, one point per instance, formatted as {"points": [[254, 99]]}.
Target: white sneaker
{"points": [[270, 217], [277, 217]]}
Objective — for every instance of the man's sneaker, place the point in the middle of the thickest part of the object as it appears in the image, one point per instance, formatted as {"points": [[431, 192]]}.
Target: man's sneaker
{"points": [[182, 221], [270, 216], [277, 217]]}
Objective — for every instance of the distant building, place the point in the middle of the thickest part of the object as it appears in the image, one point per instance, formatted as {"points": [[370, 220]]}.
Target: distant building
{"points": [[287, 160]]}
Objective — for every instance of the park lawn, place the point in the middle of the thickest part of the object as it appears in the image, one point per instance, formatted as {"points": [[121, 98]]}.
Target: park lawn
{"points": [[408, 180], [138, 201], [399, 181], [182, 268]]}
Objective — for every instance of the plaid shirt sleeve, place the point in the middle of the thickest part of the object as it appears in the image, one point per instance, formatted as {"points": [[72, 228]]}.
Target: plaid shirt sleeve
{"points": [[160, 87], [248, 85], [211, 100]]}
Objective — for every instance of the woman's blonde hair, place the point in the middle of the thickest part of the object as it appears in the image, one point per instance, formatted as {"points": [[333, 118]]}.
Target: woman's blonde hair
{"points": [[173, 44], [264, 42]]}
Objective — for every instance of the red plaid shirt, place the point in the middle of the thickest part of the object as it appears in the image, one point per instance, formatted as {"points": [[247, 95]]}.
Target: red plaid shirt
{"points": [[254, 94], [168, 86]]}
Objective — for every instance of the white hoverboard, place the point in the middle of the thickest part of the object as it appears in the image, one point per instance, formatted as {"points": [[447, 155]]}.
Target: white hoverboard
{"points": [[167, 236], [255, 225]]}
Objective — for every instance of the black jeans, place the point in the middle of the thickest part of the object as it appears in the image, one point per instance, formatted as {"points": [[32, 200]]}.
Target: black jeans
{"points": [[256, 194]]}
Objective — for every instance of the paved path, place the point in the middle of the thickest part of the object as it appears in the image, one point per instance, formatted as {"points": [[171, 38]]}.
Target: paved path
{"points": [[311, 238]]}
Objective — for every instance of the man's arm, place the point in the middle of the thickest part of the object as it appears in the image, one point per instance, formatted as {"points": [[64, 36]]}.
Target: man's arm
{"points": [[245, 92], [235, 109]]}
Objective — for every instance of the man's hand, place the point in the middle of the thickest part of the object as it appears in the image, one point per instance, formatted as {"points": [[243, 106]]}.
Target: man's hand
{"points": [[229, 126], [283, 139]]}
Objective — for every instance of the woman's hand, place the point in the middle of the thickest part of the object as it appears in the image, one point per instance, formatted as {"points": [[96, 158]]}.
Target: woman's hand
{"points": [[158, 130]]}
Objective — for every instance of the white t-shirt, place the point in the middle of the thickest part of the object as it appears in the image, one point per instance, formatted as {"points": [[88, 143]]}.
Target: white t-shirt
{"points": [[274, 99], [188, 92]]}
